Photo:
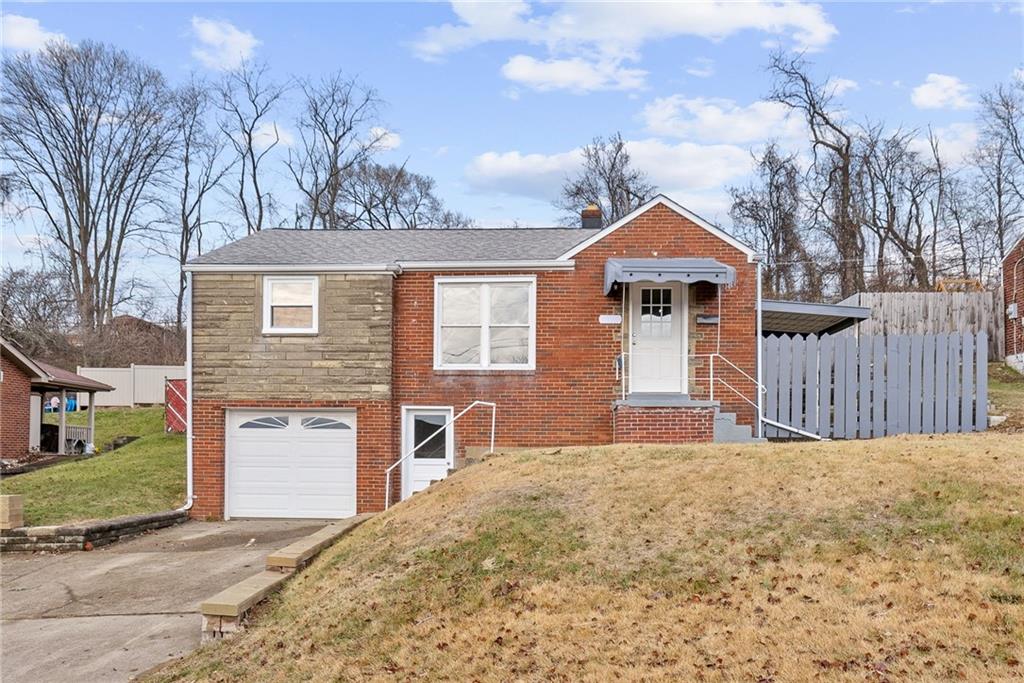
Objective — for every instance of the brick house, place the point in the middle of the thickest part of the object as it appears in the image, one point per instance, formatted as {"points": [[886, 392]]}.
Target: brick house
{"points": [[1013, 293], [320, 359]]}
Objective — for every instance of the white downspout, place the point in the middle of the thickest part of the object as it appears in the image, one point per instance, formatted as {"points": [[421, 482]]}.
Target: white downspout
{"points": [[760, 346], [189, 497]]}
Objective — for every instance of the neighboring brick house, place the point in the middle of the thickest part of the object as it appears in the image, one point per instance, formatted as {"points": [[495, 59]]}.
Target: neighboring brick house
{"points": [[1013, 292], [23, 382], [321, 358]]}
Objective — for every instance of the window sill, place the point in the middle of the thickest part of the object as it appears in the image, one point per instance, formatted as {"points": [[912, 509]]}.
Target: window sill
{"points": [[484, 371], [273, 333]]}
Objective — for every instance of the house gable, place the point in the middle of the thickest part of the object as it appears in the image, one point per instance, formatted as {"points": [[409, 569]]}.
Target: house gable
{"points": [[662, 200]]}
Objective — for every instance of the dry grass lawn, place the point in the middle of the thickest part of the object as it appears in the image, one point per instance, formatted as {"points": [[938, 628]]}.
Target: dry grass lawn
{"points": [[899, 559]]}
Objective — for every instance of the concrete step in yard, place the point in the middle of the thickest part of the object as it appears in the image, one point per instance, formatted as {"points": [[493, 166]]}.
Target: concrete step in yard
{"points": [[727, 431]]}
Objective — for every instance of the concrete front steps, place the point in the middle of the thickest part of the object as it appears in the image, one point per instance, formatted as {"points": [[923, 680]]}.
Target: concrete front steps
{"points": [[727, 431]]}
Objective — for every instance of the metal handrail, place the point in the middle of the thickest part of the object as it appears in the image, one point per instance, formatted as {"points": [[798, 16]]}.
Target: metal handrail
{"points": [[389, 470]]}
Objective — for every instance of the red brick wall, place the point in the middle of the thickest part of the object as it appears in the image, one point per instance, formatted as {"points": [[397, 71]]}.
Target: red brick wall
{"points": [[664, 425], [14, 411], [374, 450], [568, 399], [1013, 291]]}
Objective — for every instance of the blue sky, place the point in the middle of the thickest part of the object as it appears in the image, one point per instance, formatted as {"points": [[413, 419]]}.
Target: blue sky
{"points": [[494, 100]]}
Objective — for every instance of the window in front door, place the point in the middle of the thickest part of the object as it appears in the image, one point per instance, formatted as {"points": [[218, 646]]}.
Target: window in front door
{"points": [[656, 313]]}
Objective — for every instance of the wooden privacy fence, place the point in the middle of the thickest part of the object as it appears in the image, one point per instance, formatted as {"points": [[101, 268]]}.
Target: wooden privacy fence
{"points": [[842, 387], [933, 313]]}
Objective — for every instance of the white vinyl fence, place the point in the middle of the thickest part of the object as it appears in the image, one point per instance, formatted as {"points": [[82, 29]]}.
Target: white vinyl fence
{"points": [[133, 385], [844, 387]]}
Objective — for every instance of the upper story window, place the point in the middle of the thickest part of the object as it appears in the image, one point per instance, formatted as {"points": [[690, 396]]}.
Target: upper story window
{"points": [[485, 323], [290, 304]]}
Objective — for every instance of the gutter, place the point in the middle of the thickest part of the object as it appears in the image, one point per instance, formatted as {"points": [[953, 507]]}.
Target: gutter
{"points": [[189, 496], [393, 268]]}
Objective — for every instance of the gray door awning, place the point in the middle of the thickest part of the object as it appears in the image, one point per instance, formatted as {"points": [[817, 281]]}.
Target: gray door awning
{"points": [[685, 270]]}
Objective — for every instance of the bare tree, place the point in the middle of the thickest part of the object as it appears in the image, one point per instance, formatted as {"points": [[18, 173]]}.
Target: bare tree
{"points": [[832, 145], [607, 179], [86, 135], [997, 177], [768, 213], [248, 99], [199, 167], [391, 197], [337, 134], [1002, 118], [36, 311]]}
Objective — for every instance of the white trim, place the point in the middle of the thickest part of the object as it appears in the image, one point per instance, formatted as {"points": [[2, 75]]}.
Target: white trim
{"points": [[678, 208], [484, 365], [552, 264], [270, 280], [407, 410], [368, 269], [383, 268]]}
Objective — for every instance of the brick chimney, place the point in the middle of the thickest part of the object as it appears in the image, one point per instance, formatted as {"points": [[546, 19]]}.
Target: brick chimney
{"points": [[590, 217]]}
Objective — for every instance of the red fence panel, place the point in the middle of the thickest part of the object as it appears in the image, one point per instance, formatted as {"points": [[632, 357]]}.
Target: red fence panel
{"points": [[175, 405]]}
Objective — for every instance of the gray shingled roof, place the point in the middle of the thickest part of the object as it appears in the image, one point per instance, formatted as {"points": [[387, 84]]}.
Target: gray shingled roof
{"points": [[357, 247]]}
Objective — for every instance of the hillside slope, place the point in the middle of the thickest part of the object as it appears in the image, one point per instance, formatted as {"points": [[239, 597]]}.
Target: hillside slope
{"points": [[900, 558]]}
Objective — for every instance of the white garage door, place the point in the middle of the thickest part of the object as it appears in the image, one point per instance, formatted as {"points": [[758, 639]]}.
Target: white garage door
{"points": [[283, 463]]}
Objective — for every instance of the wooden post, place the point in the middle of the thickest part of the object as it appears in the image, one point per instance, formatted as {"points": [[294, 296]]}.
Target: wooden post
{"points": [[62, 431], [91, 446]]}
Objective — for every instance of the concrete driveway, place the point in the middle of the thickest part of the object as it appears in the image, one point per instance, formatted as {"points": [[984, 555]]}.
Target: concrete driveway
{"points": [[113, 613]]}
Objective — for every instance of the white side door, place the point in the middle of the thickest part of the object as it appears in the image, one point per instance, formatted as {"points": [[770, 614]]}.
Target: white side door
{"points": [[432, 460], [657, 360]]}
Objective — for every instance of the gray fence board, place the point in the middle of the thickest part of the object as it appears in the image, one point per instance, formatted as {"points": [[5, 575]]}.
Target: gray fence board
{"points": [[811, 373], [916, 351], [967, 385], [845, 387], [953, 384], [981, 392], [877, 345], [928, 385], [825, 358], [941, 381]]}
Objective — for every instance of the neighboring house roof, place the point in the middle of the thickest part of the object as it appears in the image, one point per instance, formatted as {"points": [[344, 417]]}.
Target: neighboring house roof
{"points": [[46, 376], [379, 248], [795, 317]]}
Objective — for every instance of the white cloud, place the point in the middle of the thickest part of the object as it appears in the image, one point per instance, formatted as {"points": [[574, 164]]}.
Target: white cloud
{"points": [[511, 94], [386, 139], [25, 33], [607, 35], [575, 74], [721, 120], [622, 28], [841, 86], [941, 91], [679, 169], [268, 132], [222, 45], [956, 142], [702, 67]]}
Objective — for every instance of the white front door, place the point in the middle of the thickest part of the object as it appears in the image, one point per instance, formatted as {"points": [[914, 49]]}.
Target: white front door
{"points": [[291, 463], [433, 459], [657, 356]]}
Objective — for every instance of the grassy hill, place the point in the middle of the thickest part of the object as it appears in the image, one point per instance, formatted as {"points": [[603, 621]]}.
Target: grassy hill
{"points": [[147, 475], [894, 559]]}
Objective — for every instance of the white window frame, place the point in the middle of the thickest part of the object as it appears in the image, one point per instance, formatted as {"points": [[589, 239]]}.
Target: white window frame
{"points": [[268, 280], [485, 322]]}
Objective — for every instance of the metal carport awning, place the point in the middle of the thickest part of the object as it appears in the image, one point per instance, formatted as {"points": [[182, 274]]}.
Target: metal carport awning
{"points": [[796, 317], [685, 270]]}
